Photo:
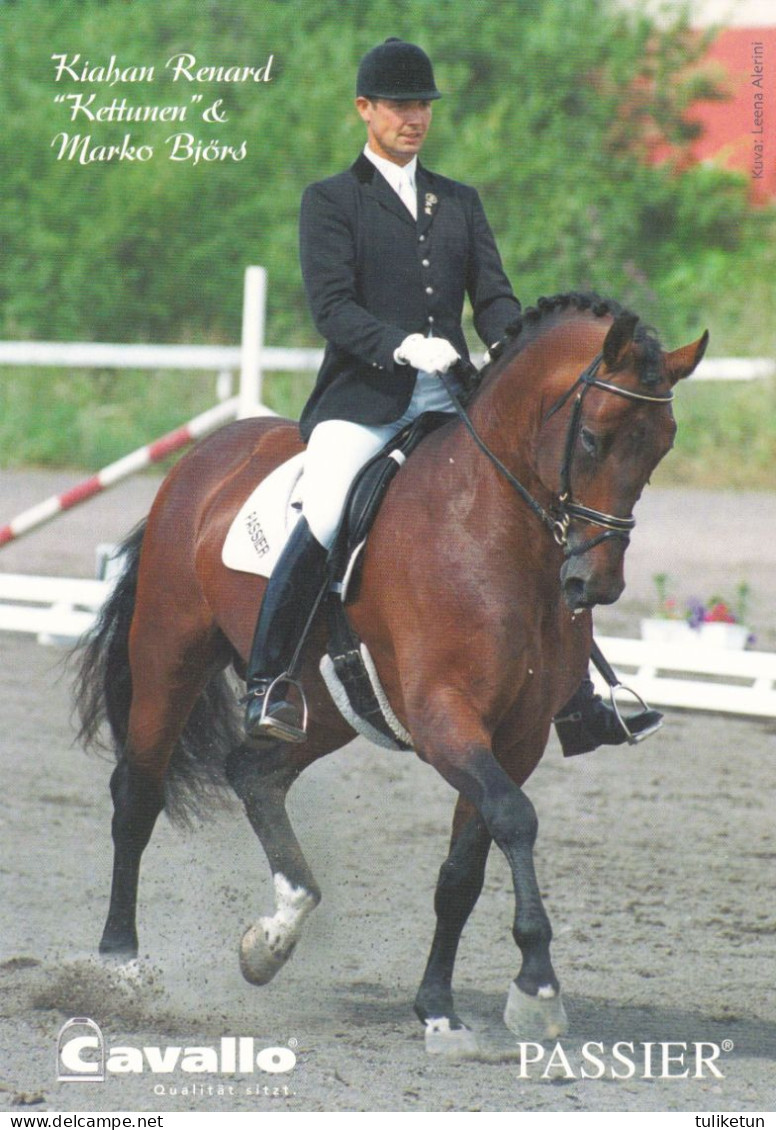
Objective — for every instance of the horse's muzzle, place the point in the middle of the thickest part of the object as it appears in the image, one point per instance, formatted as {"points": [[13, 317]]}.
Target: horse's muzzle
{"points": [[584, 587]]}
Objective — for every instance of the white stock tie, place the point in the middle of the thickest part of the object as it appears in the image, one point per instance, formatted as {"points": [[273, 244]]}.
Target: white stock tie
{"points": [[408, 194]]}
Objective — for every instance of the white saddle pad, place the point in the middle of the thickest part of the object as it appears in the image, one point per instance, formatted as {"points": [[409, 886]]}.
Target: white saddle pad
{"points": [[263, 524]]}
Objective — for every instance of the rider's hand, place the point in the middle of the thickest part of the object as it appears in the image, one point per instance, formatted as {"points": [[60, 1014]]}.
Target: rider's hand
{"points": [[431, 354]]}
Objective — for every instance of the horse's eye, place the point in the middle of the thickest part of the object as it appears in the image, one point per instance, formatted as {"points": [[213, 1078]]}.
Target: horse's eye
{"points": [[589, 441]]}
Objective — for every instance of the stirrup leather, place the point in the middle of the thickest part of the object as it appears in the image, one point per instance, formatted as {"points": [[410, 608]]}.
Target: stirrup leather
{"points": [[278, 727]]}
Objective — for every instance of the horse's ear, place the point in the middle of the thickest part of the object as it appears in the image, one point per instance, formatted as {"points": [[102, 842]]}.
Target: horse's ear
{"points": [[684, 360], [618, 340]]}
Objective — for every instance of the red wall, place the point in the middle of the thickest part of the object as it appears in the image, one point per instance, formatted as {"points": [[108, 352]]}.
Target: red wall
{"points": [[740, 133]]}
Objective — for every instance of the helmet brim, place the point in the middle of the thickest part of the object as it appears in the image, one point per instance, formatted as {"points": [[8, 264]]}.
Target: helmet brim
{"points": [[408, 96]]}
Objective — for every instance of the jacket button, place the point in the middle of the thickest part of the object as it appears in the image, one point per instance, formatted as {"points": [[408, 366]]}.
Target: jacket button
{"points": [[426, 262], [429, 290]]}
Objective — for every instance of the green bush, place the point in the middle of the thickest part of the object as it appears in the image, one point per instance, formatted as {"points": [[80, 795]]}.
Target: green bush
{"points": [[726, 437], [549, 108]]}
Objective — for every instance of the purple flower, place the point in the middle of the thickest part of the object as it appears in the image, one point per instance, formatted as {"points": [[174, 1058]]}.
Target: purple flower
{"points": [[696, 612]]}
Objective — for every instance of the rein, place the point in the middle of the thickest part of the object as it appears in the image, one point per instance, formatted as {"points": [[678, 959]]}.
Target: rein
{"points": [[513, 481], [566, 508]]}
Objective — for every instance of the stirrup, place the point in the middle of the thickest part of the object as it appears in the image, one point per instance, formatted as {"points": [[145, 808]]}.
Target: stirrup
{"points": [[276, 727], [631, 737]]}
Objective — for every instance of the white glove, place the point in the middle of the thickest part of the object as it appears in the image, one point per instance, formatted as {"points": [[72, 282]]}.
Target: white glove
{"points": [[431, 354], [491, 353]]}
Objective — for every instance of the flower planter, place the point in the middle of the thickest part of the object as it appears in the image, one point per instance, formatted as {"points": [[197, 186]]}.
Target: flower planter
{"points": [[710, 634]]}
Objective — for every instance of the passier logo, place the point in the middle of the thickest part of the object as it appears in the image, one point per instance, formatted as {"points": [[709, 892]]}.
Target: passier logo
{"points": [[83, 1056], [663, 1059]]}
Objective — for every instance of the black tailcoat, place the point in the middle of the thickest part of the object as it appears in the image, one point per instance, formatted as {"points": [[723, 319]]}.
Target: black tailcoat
{"points": [[373, 275]]}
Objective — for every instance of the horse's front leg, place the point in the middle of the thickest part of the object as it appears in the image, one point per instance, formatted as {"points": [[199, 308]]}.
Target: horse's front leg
{"points": [[460, 750], [458, 888]]}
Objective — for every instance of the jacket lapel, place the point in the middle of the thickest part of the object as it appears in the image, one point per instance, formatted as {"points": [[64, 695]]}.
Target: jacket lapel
{"points": [[375, 184]]}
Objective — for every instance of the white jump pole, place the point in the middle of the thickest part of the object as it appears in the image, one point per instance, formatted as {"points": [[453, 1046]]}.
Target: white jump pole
{"points": [[253, 319]]}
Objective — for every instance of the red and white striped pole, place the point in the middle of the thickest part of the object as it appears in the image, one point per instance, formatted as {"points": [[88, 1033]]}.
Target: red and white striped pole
{"points": [[144, 456]]}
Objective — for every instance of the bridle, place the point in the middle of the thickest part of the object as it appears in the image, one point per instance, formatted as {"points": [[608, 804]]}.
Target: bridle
{"points": [[565, 509]]}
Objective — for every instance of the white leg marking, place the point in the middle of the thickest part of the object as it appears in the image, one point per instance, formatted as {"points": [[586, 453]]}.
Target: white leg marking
{"points": [[267, 946]]}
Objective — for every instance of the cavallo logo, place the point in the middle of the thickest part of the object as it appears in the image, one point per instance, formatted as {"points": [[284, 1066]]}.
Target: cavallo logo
{"points": [[84, 1057], [76, 1037]]}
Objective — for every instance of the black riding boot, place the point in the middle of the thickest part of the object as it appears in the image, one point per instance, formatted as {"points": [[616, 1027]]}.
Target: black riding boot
{"points": [[586, 722], [295, 583]]}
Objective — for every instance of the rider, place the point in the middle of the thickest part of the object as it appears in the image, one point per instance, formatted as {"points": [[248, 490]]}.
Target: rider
{"points": [[388, 252]]}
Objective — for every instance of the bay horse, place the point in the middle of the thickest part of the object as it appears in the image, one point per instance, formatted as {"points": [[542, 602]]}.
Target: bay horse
{"points": [[494, 542]]}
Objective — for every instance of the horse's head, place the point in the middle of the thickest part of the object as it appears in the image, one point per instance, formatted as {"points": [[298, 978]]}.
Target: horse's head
{"points": [[599, 442]]}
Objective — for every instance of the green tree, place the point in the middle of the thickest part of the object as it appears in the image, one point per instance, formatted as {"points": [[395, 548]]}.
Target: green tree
{"points": [[550, 108]]}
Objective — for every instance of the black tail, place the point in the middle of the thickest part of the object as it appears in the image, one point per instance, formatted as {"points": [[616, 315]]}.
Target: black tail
{"points": [[103, 694]]}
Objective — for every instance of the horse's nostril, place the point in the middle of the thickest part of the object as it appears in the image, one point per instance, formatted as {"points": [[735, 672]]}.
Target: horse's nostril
{"points": [[573, 593]]}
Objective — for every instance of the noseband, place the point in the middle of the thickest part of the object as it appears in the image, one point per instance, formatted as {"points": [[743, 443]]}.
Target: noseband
{"points": [[565, 508]]}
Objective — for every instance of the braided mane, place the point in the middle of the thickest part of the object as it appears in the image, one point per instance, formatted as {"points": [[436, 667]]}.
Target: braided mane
{"points": [[534, 319]]}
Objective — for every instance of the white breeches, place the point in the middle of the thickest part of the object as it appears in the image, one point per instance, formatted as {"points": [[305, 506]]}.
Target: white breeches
{"points": [[338, 449]]}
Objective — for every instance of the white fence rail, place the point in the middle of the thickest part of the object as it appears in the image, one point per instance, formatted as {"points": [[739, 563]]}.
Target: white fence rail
{"points": [[55, 609], [694, 676], [249, 359], [230, 358], [104, 355], [735, 369], [60, 610]]}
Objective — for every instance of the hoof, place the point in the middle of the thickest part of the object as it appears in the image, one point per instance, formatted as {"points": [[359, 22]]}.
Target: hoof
{"points": [[441, 1039], [118, 950], [130, 973], [125, 980], [134, 979], [542, 1017], [261, 956], [124, 970]]}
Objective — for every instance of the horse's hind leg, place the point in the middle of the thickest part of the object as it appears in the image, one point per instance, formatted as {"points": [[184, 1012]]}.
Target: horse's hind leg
{"points": [[137, 802], [458, 888], [261, 780], [163, 696]]}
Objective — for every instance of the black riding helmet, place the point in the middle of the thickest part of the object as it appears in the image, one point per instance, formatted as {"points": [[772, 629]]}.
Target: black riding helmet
{"points": [[396, 70]]}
